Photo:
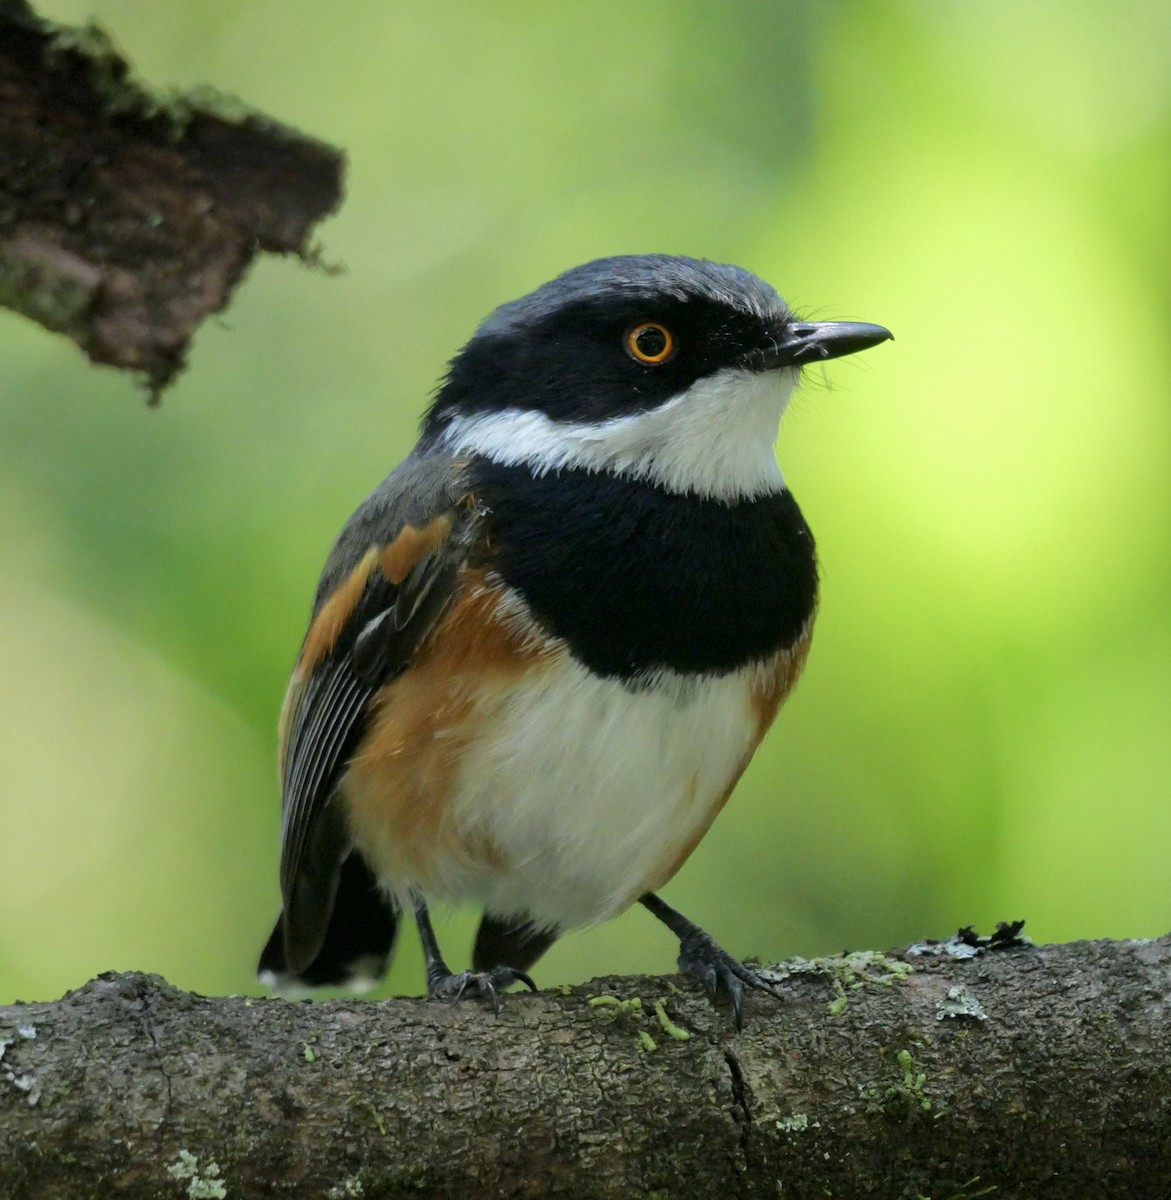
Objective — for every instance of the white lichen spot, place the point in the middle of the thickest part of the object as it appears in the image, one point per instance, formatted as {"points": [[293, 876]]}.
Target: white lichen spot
{"points": [[959, 1002], [26, 1084], [202, 1183], [952, 948], [185, 1168], [28, 1032], [797, 1123], [206, 1189], [350, 1188]]}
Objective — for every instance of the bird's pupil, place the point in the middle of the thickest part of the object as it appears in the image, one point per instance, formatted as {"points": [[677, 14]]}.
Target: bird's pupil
{"points": [[651, 341]]}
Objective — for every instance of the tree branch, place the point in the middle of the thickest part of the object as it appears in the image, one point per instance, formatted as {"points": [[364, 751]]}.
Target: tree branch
{"points": [[127, 217], [1035, 1072]]}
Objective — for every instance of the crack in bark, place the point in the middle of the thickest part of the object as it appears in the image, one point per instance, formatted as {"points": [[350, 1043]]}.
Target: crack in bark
{"points": [[742, 1102]]}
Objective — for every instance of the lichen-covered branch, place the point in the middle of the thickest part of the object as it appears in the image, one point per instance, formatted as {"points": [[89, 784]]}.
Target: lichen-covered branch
{"points": [[127, 217], [1040, 1073]]}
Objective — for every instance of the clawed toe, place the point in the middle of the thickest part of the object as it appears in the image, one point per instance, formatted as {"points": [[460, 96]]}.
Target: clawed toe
{"points": [[700, 958], [718, 972], [485, 984], [444, 984]]}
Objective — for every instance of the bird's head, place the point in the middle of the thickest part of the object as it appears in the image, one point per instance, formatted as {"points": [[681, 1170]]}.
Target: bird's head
{"points": [[670, 370]]}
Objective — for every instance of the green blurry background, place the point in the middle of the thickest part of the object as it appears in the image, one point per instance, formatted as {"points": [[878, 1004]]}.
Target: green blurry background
{"points": [[984, 729]]}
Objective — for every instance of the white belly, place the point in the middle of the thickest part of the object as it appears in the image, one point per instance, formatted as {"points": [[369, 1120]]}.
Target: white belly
{"points": [[589, 792]]}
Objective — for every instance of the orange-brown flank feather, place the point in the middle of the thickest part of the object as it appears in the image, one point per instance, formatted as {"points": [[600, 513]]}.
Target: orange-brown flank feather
{"points": [[400, 780], [775, 682]]}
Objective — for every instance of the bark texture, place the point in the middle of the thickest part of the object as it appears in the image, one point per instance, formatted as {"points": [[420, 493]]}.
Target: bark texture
{"points": [[1027, 1072], [127, 217]]}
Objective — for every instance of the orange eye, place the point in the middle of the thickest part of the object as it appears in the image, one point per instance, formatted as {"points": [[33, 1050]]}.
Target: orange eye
{"points": [[650, 343]]}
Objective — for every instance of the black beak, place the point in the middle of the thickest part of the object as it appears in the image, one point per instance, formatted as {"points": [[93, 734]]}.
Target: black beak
{"points": [[805, 342]]}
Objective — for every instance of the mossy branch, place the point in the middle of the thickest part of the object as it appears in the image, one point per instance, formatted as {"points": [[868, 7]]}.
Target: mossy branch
{"points": [[128, 216], [1041, 1073]]}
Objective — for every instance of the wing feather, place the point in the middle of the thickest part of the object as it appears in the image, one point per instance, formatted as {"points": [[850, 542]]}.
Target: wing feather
{"points": [[390, 579], [319, 746]]}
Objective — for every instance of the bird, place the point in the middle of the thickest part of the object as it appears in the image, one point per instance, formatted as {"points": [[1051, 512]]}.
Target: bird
{"points": [[544, 649]]}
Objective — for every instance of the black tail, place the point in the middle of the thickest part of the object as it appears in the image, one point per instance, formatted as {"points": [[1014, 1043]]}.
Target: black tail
{"points": [[358, 940], [514, 942]]}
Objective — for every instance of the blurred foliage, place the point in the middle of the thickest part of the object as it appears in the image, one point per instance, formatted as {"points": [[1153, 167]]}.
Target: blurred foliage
{"points": [[984, 730]]}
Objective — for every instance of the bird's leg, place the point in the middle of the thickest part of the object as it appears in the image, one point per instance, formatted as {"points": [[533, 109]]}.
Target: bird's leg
{"points": [[442, 983], [704, 961]]}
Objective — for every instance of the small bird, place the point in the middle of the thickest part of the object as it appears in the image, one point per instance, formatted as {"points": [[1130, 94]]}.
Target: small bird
{"points": [[546, 646]]}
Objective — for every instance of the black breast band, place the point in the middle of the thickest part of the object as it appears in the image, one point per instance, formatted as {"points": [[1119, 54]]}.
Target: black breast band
{"points": [[636, 578]]}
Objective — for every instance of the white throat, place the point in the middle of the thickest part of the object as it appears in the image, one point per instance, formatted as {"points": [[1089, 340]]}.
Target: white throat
{"points": [[714, 440]]}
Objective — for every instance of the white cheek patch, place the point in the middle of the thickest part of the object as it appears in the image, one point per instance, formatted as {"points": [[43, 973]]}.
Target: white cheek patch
{"points": [[713, 440]]}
